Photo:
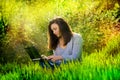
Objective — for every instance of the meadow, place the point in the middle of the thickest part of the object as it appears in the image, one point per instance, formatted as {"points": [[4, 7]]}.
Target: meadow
{"points": [[23, 22]]}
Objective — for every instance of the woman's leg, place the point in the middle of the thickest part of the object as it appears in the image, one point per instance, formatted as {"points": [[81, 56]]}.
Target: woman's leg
{"points": [[42, 63], [46, 63], [49, 64]]}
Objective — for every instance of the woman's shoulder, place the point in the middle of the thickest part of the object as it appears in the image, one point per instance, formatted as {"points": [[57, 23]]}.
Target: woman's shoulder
{"points": [[75, 35]]}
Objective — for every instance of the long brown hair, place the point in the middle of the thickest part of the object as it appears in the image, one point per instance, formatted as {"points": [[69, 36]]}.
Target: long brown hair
{"points": [[64, 30]]}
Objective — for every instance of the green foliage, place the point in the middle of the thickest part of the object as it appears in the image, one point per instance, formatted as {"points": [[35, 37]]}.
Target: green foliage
{"points": [[85, 17], [27, 22], [113, 47]]}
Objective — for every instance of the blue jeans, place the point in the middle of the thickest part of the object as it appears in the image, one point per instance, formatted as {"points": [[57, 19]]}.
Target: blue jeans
{"points": [[49, 64]]}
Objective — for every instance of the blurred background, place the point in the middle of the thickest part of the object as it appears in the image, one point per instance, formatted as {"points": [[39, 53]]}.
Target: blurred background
{"points": [[24, 23]]}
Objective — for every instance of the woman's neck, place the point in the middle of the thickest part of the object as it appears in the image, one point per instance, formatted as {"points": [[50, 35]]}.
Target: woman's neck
{"points": [[61, 42]]}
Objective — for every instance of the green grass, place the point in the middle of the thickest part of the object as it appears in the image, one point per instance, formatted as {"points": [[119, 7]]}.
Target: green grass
{"points": [[87, 70]]}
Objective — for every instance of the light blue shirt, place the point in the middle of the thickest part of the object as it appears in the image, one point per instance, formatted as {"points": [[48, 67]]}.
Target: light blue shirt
{"points": [[72, 50]]}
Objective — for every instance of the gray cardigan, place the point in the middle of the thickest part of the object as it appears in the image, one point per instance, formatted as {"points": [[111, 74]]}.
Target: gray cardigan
{"points": [[73, 48]]}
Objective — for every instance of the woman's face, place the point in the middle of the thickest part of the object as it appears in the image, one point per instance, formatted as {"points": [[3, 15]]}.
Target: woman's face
{"points": [[55, 29]]}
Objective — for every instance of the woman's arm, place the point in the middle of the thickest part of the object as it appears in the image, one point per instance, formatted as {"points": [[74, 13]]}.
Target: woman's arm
{"points": [[76, 49], [54, 58]]}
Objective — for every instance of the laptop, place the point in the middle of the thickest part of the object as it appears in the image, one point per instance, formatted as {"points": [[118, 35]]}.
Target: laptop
{"points": [[35, 56], [33, 53]]}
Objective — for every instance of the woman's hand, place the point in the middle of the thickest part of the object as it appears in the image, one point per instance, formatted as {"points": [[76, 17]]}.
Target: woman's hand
{"points": [[50, 57], [54, 58]]}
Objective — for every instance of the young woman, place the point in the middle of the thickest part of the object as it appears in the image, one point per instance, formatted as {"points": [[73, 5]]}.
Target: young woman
{"points": [[65, 44]]}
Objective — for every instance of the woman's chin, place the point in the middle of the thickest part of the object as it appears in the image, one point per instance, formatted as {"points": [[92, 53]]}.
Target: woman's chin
{"points": [[59, 37]]}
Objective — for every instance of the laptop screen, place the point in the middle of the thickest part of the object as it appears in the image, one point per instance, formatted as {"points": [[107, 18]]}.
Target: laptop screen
{"points": [[33, 52]]}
